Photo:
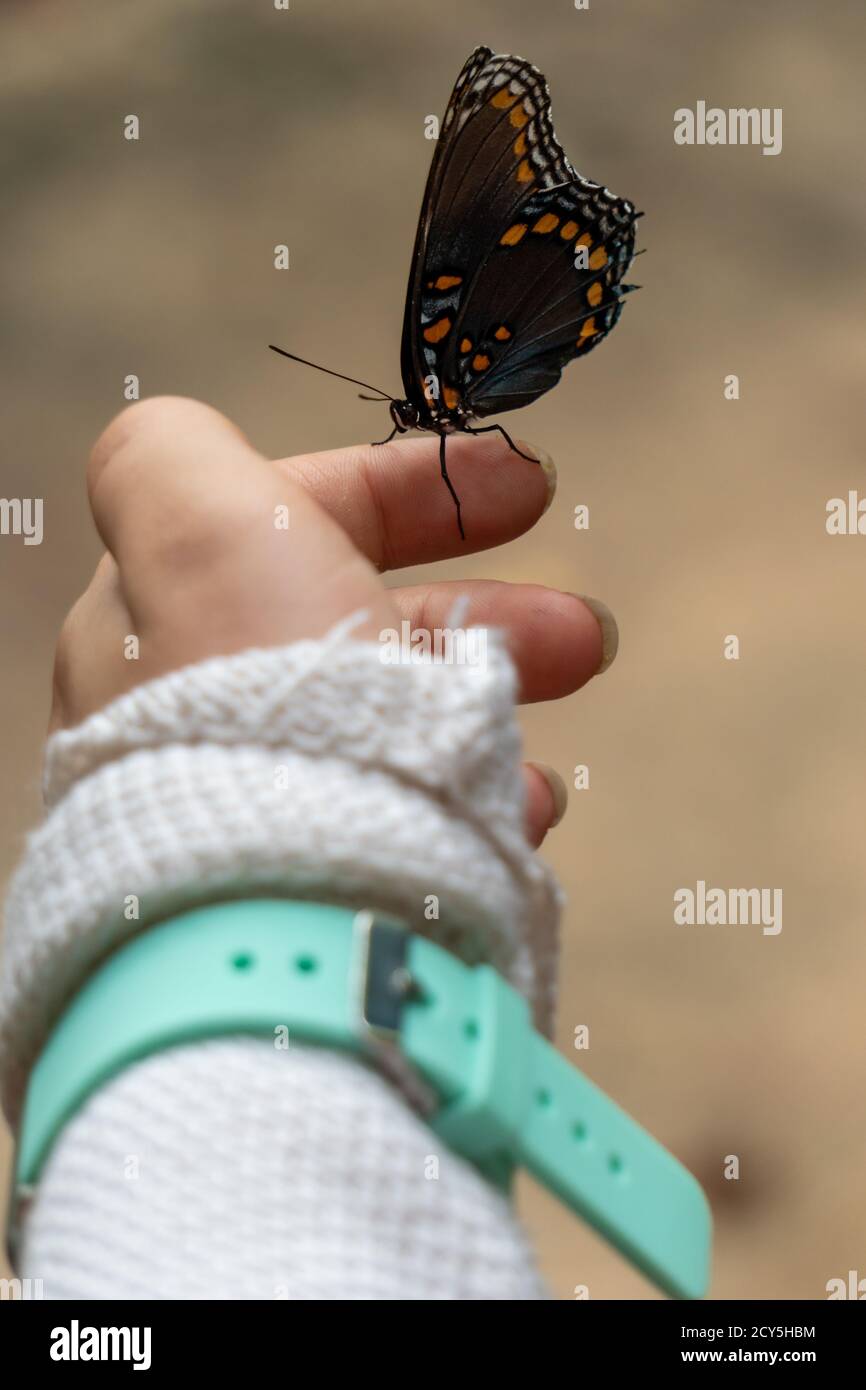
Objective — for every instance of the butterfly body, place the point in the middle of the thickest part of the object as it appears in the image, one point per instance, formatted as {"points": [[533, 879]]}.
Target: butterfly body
{"points": [[421, 415]]}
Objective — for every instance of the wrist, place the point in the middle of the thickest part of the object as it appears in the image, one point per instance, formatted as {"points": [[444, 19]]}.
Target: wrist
{"points": [[308, 771], [493, 1089]]}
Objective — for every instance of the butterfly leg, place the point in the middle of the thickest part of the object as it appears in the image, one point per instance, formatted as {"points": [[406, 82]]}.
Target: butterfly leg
{"points": [[486, 429], [448, 484], [377, 443]]}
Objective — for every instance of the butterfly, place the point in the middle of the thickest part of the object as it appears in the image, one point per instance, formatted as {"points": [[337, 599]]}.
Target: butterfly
{"points": [[518, 262]]}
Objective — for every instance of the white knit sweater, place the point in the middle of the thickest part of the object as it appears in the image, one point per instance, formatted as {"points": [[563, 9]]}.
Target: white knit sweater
{"points": [[225, 1169]]}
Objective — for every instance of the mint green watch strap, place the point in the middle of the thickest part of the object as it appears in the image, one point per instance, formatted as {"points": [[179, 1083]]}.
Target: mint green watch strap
{"points": [[321, 974]]}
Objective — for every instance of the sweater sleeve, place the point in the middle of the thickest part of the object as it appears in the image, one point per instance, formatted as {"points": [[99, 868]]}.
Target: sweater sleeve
{"points": [[316, 770]]}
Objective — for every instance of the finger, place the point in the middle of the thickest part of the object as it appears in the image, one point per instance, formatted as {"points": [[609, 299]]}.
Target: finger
{"points": [[93, 660], [179, 496], [557, 641], [171, 474], [392, 501], [546, 800]]}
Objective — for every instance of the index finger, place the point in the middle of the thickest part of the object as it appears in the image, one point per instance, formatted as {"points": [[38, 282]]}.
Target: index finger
{"points": [[393, 503]]}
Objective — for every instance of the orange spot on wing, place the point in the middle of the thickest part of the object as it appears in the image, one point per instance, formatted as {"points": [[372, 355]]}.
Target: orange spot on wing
{"points": [[513, 235], [587, 330], [520, 145], [585, 240], [593, 294], [502, 333], [466, 345], [518, 117], [503, 98], [436, 332], [546, 223], [450, 397], [480, 362], [598, 259], [524, 172], [447, 282], [568, 230]]}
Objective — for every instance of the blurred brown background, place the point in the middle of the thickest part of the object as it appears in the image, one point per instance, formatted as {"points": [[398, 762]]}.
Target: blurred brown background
{"points": [[707, 516]]}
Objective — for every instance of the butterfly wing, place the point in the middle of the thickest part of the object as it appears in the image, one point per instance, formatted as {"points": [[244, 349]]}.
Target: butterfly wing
{"points": [[413, 362], [550, 291], [494, 294]]}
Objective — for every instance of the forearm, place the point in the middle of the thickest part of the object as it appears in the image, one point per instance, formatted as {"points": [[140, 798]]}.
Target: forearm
{"points": [[227, 1170]]}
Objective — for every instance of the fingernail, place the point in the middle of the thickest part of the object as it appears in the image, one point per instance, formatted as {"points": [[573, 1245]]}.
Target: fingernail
{"points": [[558, 790], [548, 468], [609, 630]]}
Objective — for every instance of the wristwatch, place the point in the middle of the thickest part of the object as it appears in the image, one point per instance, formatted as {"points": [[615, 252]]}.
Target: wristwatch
{"points": [[493, 1088]]}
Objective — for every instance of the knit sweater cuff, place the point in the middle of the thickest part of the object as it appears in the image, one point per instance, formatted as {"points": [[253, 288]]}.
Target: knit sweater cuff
{"points": [[314, 770]]}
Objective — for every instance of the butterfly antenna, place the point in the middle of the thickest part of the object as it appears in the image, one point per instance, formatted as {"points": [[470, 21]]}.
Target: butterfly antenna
{"points": [[383, 395]]}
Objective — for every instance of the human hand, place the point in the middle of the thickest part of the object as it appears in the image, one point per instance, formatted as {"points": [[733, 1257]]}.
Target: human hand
{"points": [[195, 566]]}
